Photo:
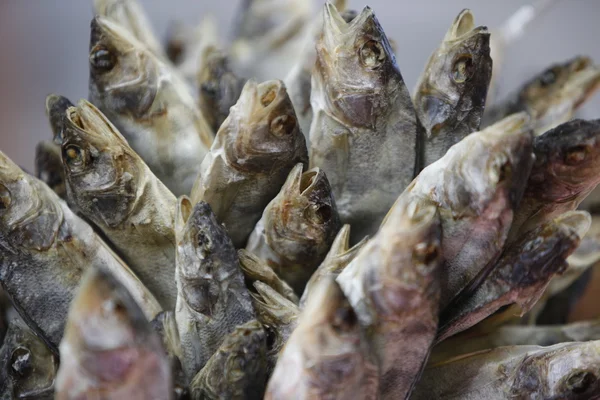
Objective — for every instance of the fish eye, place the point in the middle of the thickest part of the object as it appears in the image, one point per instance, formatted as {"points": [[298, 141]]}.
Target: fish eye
{"points": [[283, 125], [548, 78], [5, 198], [575, 155], [74, 156], [318, 214], [580, 381], [203, 242], [21, 362], [462, 69], [505, 172], [372, 54], [344, 319], [102, 59], [425, 253]]}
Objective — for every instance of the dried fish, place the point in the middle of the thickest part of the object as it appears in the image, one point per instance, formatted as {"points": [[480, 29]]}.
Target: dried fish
{"points": [[393, 285], [297, 227], [220, 87], [451, 92], [327, 356], [112, 187], [45, 250], [521, 275], [27, 366], [254, 151], [339, 256], [109, 350], [211, 296], [237, 370], [48, 167], [477, 185], [551, 97], [149, 103], [256, 269], [563, 371], [362, 112]]}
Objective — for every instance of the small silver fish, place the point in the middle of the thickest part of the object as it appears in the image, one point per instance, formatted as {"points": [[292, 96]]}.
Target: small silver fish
{"points": [[237, 370], [254, 151], [563, 371], [212, 298], [451, 92], [297, 227], [149, 103], [521, 275], [362, 113], [109, 350], [112, 187], [328, 355]]}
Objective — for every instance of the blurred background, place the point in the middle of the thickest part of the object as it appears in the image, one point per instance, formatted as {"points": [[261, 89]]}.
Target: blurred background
{"points": [[44, 49]]}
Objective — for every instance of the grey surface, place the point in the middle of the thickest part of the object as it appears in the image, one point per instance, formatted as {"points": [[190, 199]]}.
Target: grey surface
{"points": [[44, 48]]}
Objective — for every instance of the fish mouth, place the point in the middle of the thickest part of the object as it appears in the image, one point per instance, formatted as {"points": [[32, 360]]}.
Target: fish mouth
{"points": [[579, 221], [463, 27]]}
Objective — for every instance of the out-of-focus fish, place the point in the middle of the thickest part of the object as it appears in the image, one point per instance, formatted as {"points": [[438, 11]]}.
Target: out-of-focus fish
{"points": [[109, 350], [515, 335], [563, 371], [48, 167], [130, 15], [269, 36], [362, 112], [278, 315], [567, 161], [521, 275], [256, 269], [510, 32], [27, 366], [393, 285], [552, 97], [477, 185], [298, 227], [450, 95], [149, 103], [211, 296], [5, 309], [254, 151], [328, 355], [45, 248], [112, 187], [237, 370], [339, 256], [219, 87]]}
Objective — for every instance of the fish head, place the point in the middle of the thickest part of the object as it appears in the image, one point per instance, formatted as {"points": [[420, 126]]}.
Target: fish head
{"points": [[27, 366], [457, 76], [123, 73], [553, 96], [489, 169], [565, 371], [355, 68], [410, 254], [102, 172], [567, 161], [245, 348], [55, 108], [262, 131], [302, 220], [206, 259]]}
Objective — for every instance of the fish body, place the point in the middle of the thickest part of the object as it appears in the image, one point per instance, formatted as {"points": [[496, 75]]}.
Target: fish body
{"points": [[149, 103], [212, 298], [362, 113], [521, 275], [254, 151], [297, 227], [112, 187], [393, 285], [451, 92], [45, 250], [563, 371], [328, 355], [237, 369], [109, 350]]}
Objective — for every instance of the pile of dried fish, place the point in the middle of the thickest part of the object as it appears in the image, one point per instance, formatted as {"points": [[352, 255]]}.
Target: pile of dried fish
{"points": [[192, 233]]}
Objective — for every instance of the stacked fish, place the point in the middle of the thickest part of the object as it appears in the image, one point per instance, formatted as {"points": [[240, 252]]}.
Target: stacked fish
{"points": [[195, 234]]}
